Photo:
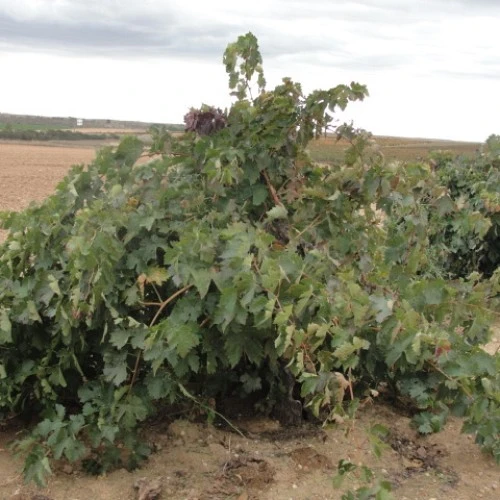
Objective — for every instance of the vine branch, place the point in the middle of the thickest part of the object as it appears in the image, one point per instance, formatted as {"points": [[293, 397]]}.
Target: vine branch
{"points": [[270, 187], [166, 302], [161, 306]]}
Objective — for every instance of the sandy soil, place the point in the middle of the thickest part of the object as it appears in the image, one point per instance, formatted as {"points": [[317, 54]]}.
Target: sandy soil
{"points": [[30, 172], [329, 149], [200, 461]]}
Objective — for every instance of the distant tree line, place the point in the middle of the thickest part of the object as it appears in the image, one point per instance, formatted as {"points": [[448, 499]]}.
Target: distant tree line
{"points": [[51, 135]]}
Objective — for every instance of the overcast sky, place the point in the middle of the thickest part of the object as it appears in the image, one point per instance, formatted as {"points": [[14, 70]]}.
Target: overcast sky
{"points": [[432, 67]]}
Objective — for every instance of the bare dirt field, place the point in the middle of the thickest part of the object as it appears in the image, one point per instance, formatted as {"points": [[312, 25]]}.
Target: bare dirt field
{"points": [[30, 171], [328, 149], [196, 460]]}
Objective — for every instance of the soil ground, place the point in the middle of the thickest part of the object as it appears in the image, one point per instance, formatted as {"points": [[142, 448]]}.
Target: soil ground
{"points": [[205, 462], [30, 171], [328, 149]]}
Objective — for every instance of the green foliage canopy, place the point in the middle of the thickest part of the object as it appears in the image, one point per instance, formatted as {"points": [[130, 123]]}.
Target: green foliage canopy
{"points": [[206, 270]]}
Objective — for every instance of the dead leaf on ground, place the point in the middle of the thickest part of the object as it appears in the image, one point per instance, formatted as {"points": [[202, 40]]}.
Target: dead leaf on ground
{"points": [[148, 489]]}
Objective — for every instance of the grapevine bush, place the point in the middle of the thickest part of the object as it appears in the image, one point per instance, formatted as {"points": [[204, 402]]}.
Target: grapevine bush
{"points": [[230, 262], [475, 184]]}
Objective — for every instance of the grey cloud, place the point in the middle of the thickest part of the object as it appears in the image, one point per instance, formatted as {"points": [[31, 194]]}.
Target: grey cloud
{"points": [[485, 74], [430, 5], [480, 3], [146, 37], [340, 12], [376, 61], [275, 45], [126, 28], [352, 61]]}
